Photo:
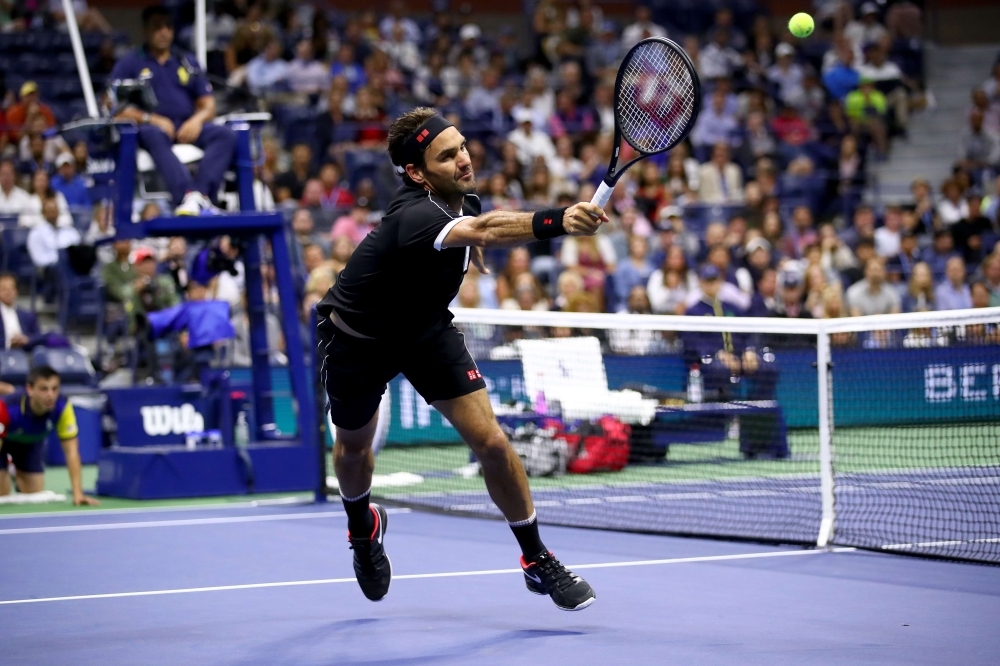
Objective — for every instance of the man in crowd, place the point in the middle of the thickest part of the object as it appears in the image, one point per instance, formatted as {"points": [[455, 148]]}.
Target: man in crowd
{"points": [[45, 240], [30, 419], [13, 200], [67, 181], [185, 109], [872, 295], [28, 105], [953, 293], [17, 326]]}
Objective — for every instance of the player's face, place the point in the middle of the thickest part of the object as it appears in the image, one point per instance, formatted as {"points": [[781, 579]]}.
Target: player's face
{"points": [[44, 393], [447, 165]]}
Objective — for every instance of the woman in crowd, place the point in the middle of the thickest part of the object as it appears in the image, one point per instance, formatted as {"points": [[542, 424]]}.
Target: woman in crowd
{"points": [[669, 285], [919, 296], [40, 191]]}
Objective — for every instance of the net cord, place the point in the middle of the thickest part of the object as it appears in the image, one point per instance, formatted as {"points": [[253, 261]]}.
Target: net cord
{"points": [[642, 322]]}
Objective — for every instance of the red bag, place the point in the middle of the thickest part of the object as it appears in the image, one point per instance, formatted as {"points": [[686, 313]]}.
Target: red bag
{"points": [[599, 447]]}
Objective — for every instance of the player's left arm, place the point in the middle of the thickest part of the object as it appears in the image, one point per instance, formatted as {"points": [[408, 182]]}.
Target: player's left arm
{"points": [[68, 433]]}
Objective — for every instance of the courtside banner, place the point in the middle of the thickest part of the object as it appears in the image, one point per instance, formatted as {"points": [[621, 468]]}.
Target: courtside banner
{"points": [[158, 415], [873, 388]]}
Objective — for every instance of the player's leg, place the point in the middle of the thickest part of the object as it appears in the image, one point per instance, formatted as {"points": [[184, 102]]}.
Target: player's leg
{"points": [[472, 416], [5, 485], [30, 482], [29, 461], [354, 383]]}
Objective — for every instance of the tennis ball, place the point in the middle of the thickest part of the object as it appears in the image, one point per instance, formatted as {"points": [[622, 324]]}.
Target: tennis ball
{"points": [[801, 25]]}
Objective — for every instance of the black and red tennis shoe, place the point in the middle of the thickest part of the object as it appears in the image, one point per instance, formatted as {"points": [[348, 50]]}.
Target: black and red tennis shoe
{"points": [[371, 565], [547, 575]]}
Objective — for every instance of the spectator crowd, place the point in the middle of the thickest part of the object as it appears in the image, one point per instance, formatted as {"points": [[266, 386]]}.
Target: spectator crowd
{"points": [[769, 189]]}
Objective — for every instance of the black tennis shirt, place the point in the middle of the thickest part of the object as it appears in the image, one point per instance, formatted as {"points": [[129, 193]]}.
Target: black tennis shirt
{"points": [[399, 281]]}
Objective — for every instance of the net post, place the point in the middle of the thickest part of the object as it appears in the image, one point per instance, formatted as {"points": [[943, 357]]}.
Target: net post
{"points": [[824, 379]]}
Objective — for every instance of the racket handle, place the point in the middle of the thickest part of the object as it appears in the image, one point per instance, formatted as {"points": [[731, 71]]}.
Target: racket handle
{"points": [[602, 195]]}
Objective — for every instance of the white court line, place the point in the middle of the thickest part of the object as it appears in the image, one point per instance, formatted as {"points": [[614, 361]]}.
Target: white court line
{"points": [[449, 574], [180, 522], [180, 508]]}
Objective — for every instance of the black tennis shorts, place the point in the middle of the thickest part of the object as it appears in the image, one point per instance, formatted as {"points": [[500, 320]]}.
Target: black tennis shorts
{"points": [[27, 457], [356, 370]]}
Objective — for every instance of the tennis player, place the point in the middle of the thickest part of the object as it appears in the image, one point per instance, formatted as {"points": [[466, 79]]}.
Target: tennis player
{"points": [[388, 314]]}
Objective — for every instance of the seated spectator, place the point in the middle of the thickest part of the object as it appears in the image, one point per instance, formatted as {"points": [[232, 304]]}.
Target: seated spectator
{"points": [[764, 302], [335, 193], [17, 326], [355, 225], [30, 420], [184, 111], [483, 101], [755, 261], [41, 191], [720, 179], [635, 342], [569, 285], [889, 80], [786, 74], [909, 253], [565, 168], [346, 65], [888, 236], [919, 296], [371, 119], [119, 273], [716, 124], [801, 235], [68, 183], [872, 295], [291, 184], [570, 119], [149, 291], [790, 127], [990, 271], [591, 256], [13, 200], [46, 239], [979, 149], [268, 72], [670, 285], [841, 77], [27, 106], [304, 231], [36, 151], [719, 60], [862, 227], [937, 255], [401, 51], [866, 109], [529, 142], [981, 333], [305, 73], [953, 292], [792, 305], [642, 28], [634, 271], [527, 295], [89, 19], [335, 130], [722, 356], [952, 207], [867, 29]]}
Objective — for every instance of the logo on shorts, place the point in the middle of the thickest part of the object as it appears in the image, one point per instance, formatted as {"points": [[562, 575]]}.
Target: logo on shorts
{"points": [[422, 136], [474, 375]]}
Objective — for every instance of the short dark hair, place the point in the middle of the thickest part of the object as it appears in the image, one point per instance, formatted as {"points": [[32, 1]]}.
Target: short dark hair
{"points": [[41, 372], [156, 11], [7, 275], [404, 127]]}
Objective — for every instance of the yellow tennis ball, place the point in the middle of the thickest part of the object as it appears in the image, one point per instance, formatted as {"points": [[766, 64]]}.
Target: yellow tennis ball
{"points": [[801, 25]]}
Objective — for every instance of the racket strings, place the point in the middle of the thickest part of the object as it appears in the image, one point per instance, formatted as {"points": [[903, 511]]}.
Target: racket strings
{"points": [[656, 99]]}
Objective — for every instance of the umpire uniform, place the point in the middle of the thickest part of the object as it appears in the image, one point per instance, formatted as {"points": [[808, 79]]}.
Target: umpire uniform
{"points": [[178, 83], [390, 304]]}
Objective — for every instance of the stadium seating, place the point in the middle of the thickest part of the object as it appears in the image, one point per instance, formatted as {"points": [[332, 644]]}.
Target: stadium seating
{"points": [[14, 366]]}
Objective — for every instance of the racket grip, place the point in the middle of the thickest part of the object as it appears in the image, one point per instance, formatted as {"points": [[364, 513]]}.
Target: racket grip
{"points": [[602, 195]]}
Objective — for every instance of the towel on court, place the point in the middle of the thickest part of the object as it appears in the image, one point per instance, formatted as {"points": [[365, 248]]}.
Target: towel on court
{"points": [[41, 497]]}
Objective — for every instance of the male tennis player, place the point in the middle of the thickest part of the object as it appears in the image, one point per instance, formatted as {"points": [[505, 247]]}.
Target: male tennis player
{"points": [[388, 313]]}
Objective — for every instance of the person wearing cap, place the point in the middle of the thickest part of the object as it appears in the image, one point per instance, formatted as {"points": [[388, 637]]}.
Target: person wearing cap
{"points": [[866, 110], [150, 291], [184, 112], [867, 29], [786, 74], [725, 357], [27, 105], [529, 140], [756, 259], [388, 314], [791, 305], [66, 180]]}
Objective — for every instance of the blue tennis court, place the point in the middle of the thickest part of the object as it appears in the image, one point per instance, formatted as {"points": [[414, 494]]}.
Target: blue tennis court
{"points": [[274, 585]]}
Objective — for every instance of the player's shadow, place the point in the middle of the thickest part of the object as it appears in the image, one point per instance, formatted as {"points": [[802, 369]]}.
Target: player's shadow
{"points": [[278, 654]]}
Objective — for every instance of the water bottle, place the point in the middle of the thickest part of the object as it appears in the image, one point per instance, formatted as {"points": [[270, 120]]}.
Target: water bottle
{"points": [[241, 431], [696, 386]]}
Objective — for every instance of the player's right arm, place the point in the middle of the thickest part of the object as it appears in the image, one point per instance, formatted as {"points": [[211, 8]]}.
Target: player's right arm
{"points": [[502, 228]]}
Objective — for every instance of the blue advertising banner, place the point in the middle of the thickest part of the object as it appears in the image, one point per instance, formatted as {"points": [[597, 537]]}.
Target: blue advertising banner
{"points": [[158, 415], [872, 387]]}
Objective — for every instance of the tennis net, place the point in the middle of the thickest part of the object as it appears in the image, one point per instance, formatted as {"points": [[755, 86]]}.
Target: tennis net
{"points": [[877, 432]]}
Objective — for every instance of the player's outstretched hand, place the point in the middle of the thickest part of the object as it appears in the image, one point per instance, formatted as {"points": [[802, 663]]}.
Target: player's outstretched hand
{"points": [[583, 219]]}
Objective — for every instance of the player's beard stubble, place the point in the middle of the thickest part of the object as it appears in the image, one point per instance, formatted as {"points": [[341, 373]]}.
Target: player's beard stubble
{"points": [[454, 188]]}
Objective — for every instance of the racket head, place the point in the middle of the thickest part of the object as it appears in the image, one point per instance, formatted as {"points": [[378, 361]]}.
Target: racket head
{"points": [[657, 96]]}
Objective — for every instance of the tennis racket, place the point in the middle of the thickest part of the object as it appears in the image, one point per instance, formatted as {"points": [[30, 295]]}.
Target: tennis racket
{"points": [[657, 100]]}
